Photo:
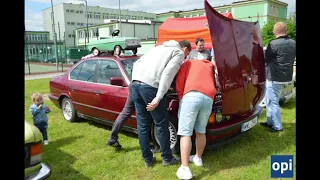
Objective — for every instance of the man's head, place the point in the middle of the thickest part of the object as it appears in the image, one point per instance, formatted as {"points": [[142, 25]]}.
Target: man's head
{"points": [[279, 29], [185, 47], [200, 44], [95, 51]]}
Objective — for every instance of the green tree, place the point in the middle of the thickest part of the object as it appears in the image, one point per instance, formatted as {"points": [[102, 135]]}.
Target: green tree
{"points": [[267, 33], [291, 26]]}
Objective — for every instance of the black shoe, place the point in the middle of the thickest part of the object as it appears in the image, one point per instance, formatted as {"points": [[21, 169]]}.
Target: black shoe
{"points": [[151, 163], [173, 161], [265, 124], [114, 144], [274, 130]]}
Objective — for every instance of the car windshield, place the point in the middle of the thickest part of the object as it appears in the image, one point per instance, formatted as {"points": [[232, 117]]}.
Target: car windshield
{"points": [[128, 65]]}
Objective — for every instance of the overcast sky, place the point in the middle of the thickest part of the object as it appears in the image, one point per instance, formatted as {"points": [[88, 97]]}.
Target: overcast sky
{"points": [[33, 8]]}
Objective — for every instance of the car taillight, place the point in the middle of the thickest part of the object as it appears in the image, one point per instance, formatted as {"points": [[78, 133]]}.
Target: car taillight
{"points": [[36, 153]]}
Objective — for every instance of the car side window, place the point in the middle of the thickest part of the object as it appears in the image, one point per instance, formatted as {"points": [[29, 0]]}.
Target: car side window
{"points": [[88, 71], [75, 72], [108, 69]]}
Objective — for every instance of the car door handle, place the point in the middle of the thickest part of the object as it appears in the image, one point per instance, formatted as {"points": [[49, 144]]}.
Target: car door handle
{"points": [[73, 88], [97, 92]]}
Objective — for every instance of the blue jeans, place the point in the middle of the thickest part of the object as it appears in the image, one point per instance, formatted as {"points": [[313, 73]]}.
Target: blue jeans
{"points": [[142, 94], [272, 104], [43, 129], [194, 112]]}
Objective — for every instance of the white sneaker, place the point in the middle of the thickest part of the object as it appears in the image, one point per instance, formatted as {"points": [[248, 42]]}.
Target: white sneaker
{"points": [[197, 161], [184, 173], [45, 142]]}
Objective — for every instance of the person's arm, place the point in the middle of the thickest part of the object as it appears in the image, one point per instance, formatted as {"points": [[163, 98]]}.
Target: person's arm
{"points": [[169, 73], [213, 61], [47, 109], [181, 79], [268, 54], [34, 110]]}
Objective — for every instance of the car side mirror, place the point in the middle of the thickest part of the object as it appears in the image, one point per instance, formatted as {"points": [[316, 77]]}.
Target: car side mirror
{"points": [[118, 81]]}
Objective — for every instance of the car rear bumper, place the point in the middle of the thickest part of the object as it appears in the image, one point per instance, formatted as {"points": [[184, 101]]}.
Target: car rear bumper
{"points": [[43, 173], [217, 137], [129, 47], [55, 100]]}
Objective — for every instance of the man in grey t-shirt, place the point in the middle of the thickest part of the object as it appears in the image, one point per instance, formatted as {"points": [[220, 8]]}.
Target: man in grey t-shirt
{"points": [[200, 53]]}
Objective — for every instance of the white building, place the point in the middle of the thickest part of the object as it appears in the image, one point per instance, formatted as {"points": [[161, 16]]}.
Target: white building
{"points": [[71, 16]]}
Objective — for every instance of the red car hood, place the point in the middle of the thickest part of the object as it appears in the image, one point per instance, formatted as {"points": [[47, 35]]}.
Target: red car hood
{"points": [[240, 61]]}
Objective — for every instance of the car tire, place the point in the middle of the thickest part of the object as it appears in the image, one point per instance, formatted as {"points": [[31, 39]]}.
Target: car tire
{"points": [[134, 51], [117, 47], [68, 111], [173, 131]]}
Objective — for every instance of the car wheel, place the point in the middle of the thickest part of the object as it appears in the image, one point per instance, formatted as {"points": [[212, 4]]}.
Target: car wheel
{"points": [[134, 51], [117, 50], [173, 130], [68, 110]]}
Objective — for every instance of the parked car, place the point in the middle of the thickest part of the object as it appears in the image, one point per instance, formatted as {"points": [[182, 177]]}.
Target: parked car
{"points": [[33, 168], [53, 60], [96, 88], [116, 44]]}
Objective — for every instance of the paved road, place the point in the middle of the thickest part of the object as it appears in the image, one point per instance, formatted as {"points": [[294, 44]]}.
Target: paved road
{"points": [[40, 76]]}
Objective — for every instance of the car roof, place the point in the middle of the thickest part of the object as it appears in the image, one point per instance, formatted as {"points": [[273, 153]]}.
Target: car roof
{"points": [[115, 57]]}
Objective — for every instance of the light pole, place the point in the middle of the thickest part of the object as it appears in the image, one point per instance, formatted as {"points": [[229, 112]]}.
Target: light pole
{"points": [[54, 37], [120, 19], [87, 24]]}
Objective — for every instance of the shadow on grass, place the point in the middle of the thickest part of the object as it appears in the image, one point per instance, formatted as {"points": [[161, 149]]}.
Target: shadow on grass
{"points": [[60, 162], [107, 127], [257, 145], [289, 105]]}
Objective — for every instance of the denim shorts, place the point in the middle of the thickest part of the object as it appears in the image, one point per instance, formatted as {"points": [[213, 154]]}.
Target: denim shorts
{"points": [[194, 111]]}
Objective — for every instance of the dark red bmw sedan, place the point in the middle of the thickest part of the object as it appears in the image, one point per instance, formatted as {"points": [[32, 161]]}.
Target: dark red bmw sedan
{"points": [[97, 88]]}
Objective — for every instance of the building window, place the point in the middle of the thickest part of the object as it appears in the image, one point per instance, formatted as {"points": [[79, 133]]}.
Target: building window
{"points": [[68, 23], [72, 23], [134, 17], [97, 15], [89, 15], [80, 12], [127, 17], [106, 16], [78, 24], [151, 18], [71, 11], [146, 18], [67, 10]]}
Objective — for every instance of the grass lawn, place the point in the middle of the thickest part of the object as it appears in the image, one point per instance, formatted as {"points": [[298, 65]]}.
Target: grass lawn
{"points": [[77, 150]]}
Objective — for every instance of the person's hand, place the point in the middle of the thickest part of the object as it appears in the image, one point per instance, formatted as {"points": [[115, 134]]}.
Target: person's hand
{"points": [[40, 106], [171, 89], [151, 106]]}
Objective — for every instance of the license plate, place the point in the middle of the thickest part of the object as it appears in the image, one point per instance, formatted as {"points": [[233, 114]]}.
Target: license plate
{"points": [[248, 125]]}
